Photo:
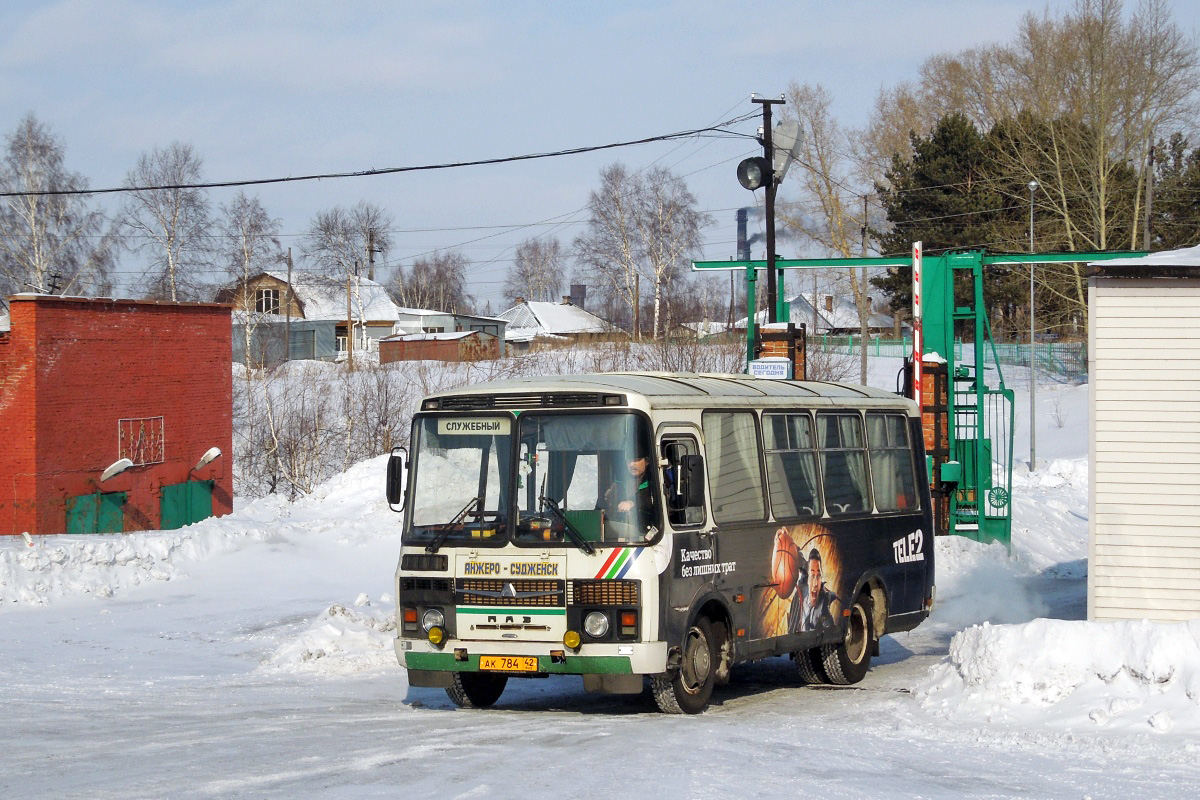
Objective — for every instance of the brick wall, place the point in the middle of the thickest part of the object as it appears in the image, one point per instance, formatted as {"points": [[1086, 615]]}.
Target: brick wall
{"points": [[80, 366]]}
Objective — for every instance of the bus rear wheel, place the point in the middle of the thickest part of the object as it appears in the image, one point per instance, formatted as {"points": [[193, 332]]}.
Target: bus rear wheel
{"points": [[847, 661], [476, 689], [688, 690], [809, 665]]}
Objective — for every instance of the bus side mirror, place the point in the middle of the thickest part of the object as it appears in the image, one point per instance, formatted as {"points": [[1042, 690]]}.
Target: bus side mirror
{"points": [[395, 485], [691, 475]]}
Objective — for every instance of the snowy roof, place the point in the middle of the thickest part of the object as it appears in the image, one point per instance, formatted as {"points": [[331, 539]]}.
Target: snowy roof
{"points": [[428, 337], [325, 298], [843, 315], [705, 328], [1183, 257], [551, 318]]}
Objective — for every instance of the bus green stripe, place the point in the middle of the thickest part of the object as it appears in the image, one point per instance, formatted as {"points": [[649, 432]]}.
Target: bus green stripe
{"points": [[551, 612]]}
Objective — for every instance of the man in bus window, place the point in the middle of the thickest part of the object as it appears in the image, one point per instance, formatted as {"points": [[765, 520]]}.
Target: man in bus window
{"points": [[634, 496], [812, 605]]}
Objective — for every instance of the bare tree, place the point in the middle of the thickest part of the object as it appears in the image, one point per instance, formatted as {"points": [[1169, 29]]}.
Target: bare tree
{"points": [[537, 271], [437, 282], [827, 210], [641, 226], [341, 238], [168, 221], [44, 235], [248, 245]]}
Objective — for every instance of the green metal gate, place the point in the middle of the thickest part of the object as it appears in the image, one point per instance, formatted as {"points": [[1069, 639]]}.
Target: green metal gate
{"points": [[185, 503], [103, 512]]}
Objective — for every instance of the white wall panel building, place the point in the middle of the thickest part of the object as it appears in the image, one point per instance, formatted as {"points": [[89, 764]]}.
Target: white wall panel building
{"points": [[1144, 477]]}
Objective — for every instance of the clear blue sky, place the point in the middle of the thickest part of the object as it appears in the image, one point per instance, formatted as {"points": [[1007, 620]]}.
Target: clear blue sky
{"points": [[266, 89]]}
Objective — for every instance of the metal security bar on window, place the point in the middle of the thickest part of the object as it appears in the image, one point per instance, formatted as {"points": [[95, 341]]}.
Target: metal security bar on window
{"points": [[141, 440]]}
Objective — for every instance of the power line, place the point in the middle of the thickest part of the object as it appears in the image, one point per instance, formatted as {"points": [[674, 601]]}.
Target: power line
{"points": [[697, 132]]}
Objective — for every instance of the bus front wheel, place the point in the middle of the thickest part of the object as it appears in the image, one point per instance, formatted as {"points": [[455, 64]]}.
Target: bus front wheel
{"points": [[847, 661], [688, 690], [476, 689]]}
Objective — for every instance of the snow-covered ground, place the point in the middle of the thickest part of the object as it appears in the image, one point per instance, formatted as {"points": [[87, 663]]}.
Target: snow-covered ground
{"points": [[251, 655]]}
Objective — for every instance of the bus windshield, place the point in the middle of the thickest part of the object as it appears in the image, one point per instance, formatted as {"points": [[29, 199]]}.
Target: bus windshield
{"points": [[579, 479]]}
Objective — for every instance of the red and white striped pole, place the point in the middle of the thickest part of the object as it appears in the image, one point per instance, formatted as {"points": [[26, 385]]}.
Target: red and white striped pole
{"points": [[917, 355]]}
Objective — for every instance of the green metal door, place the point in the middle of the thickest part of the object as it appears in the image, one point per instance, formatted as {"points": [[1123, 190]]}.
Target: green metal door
{"points": [[185, 503], [96, 513]]}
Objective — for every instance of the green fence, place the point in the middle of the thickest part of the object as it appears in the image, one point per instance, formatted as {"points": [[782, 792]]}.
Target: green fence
{"points": [[1064, 361]]}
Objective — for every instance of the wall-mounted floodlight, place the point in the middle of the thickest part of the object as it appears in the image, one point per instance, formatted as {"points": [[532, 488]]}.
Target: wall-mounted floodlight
{"points": [[116, 468], [210, 455], [754, 173]]}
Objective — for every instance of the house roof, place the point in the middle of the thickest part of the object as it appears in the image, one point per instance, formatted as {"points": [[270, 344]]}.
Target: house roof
{"points": [[325, 298], [844, 314], [430, 337], [537, 318]]}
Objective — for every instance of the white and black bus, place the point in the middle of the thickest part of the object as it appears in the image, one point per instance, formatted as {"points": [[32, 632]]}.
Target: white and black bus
{"points": [[653, 525]]}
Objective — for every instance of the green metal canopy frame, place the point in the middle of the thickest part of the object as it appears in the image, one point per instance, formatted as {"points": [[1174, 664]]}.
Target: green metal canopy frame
{"points": [[977, 470]]}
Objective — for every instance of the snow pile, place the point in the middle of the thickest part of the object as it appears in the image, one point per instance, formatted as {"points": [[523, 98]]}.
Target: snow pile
{"points": [[341, 640], [1120, 676], [349, 506], [105, 565]]}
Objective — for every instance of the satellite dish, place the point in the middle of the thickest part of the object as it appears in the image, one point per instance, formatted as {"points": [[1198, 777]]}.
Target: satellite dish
{"points": [[116, 468], [786, 139]]}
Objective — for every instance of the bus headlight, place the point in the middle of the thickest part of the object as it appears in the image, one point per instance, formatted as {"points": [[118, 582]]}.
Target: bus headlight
{"points": [[433, 617], [595, 624]]}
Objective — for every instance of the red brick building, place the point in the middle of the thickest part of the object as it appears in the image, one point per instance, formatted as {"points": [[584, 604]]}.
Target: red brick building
{"points": [[86, 383]]}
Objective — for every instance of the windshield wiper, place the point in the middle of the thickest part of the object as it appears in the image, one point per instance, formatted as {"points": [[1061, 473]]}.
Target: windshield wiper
{"points": [[440, 536], [572, 532]]}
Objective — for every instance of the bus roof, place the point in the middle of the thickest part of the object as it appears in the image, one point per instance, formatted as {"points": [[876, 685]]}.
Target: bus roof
{"points": [[681, 387]]}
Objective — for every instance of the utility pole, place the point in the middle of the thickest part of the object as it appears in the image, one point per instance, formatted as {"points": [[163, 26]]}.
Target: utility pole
{"points": [[770, 186], [864, 312], [287, 325]]}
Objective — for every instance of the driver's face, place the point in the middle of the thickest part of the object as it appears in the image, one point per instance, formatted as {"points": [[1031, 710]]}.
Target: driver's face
{"points": [[637, 466]]}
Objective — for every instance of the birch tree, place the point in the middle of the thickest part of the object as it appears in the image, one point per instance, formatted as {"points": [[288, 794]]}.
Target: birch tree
{"points": [[641, 226], [248, 244], [42, 235], [168, 222], [537, 271]]}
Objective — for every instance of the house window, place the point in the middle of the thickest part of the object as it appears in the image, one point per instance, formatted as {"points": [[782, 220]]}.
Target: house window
{"points": [[266, 301], [341, 343], [434, 330], [304, 344]]}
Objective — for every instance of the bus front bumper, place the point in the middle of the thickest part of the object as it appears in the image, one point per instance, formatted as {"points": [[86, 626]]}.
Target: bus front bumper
{"points": [[634, 658]]}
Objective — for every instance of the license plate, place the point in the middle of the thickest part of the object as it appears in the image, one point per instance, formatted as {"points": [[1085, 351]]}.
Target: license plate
{"points": [[509, 663]]}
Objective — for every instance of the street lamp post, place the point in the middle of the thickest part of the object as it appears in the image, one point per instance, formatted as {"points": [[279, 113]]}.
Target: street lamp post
{"points": [[1033, 187]]}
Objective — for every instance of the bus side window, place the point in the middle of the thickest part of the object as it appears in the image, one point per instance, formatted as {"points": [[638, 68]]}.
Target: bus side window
{"points": [[791, 465], [683, 481], [735, 478], [843, 463], [892, 476]]}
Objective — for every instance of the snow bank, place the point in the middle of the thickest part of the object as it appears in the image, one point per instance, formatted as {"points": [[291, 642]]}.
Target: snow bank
{"points": [[341, 640], [1120, 676], [350, 505]]}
